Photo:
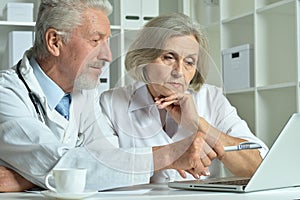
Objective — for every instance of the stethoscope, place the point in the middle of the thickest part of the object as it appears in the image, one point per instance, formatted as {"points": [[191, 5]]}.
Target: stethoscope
{"points": [[38, 105], [34, 99]]}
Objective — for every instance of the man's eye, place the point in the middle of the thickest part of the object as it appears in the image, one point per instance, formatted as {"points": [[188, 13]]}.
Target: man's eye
{"points": [[95, 41]]}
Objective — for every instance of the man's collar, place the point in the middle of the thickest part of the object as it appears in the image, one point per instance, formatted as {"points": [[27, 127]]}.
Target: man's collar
{"points": [[51, 90]]}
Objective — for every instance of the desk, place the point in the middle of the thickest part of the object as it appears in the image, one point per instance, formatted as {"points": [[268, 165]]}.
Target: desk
{"points": [[161, 191]]}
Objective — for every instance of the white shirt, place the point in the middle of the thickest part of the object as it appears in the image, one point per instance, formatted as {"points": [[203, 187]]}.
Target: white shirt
{"points": [[136, 120], [33, 148]]}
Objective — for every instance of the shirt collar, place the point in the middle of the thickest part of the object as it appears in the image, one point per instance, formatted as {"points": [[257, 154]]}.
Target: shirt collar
{"points": [[140, 98], [47, 85]]}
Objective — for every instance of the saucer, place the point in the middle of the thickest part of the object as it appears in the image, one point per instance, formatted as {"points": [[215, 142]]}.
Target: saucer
{"points": [[49, 193]]}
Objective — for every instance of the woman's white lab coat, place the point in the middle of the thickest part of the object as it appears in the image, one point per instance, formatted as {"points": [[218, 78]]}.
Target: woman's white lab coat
{"points": [[136, 120]]}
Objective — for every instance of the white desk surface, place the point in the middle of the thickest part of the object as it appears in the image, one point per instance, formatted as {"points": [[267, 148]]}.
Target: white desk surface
{"points": [[161, 191]]}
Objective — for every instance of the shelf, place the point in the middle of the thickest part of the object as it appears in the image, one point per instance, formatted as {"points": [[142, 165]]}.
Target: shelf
{"points": [[239, 100], [277, 30], [277, 86], [272, 28], [238, 31], [249, 90], [246, 17], [233, 8], [14, 23], [274, 109], [115, 27], [270, 4], [205, 13]]}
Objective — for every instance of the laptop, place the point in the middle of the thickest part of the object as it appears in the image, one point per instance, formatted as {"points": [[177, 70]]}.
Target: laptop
{"points": [[279, 169]]}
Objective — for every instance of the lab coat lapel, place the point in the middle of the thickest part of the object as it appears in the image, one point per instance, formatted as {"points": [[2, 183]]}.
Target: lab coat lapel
{"points": [[54, 120], [144, 113]]}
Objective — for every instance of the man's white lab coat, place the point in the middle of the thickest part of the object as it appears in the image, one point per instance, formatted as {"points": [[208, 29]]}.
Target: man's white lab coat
{"points": [[33, 149]]}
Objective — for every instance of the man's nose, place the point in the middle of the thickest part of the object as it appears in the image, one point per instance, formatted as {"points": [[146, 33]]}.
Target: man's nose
{"points": [[105, 52]]}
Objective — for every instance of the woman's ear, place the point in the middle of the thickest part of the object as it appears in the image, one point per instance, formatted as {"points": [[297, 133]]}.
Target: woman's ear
{"points": [[53, 42]]}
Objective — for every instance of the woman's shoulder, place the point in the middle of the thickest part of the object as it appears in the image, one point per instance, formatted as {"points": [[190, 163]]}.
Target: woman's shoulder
{"points": [[209, 90]]}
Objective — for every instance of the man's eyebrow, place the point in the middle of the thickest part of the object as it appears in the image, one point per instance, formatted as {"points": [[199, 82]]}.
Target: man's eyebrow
{"points": [[100, 33]]}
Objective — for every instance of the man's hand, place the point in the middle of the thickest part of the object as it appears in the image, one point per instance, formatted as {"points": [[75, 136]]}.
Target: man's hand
{"points": [[10, 181], [192, 155]]}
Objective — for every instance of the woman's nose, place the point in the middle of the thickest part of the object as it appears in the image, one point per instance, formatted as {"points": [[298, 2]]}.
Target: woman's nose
{"points": [[177, 70]]}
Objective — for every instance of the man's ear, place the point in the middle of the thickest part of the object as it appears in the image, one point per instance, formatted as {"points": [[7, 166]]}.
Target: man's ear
{"points": [[53, 41]]}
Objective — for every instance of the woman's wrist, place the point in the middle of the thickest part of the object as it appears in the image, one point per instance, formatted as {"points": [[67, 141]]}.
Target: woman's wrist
{"points": [[203, 125]]}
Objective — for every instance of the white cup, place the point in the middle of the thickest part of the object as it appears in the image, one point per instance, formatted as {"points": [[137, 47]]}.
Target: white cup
{"points": [[67, 180]]}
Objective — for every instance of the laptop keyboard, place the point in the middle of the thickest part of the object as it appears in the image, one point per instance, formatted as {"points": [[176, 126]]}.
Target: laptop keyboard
{"points": [[233, 182]]}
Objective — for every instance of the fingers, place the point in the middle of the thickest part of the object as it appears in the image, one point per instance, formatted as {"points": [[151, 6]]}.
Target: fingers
{"points": [[208, 152], [166, 101], [203, 157], [182, 173]]}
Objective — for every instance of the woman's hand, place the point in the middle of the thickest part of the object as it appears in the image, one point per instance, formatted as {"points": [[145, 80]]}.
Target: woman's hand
{"points": [[181, 108]]}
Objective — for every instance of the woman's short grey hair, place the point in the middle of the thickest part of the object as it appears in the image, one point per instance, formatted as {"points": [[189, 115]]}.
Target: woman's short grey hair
{"points": [[150, 42], [62, 15]]}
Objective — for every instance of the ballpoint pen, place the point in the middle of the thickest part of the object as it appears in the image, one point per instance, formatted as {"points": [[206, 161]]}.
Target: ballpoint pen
{"points": [[243, 146]]}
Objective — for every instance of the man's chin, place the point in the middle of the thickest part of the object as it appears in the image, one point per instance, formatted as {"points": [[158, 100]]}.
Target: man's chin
{"points": [[88, 85]]}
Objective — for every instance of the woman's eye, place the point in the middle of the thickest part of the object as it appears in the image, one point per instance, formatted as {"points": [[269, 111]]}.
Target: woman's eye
{"points": [[168, 57], [190, 62]]}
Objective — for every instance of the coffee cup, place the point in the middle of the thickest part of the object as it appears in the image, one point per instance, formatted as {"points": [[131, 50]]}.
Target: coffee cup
{"points": [[67, 180]]}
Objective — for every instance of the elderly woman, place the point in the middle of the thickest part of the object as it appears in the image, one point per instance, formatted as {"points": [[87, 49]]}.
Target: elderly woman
{"points": [[170, 101]]}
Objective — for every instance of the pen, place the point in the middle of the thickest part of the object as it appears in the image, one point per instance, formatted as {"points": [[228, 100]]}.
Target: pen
{"points": [[243, 146]]}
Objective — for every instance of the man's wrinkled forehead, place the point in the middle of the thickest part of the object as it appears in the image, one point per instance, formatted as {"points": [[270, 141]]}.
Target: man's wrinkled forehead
{"points": [[97, 22]]}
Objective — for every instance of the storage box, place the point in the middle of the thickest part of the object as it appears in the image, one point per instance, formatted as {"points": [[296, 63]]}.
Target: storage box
{"points": [[150, 9], [138, 12], [18, 42], [132, 13], [238, 68], [21, 12]]}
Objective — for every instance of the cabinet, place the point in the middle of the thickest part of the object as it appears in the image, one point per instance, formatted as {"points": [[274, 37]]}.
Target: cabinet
{"points": [[272, 27], [7, 26], [123, 34]]}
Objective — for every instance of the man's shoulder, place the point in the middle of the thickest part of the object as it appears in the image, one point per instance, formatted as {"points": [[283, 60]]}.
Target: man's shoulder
{"points": [[8, 78]]}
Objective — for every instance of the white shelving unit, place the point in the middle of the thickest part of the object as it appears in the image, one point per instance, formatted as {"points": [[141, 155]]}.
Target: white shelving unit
{"points": [[272, 27]]}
